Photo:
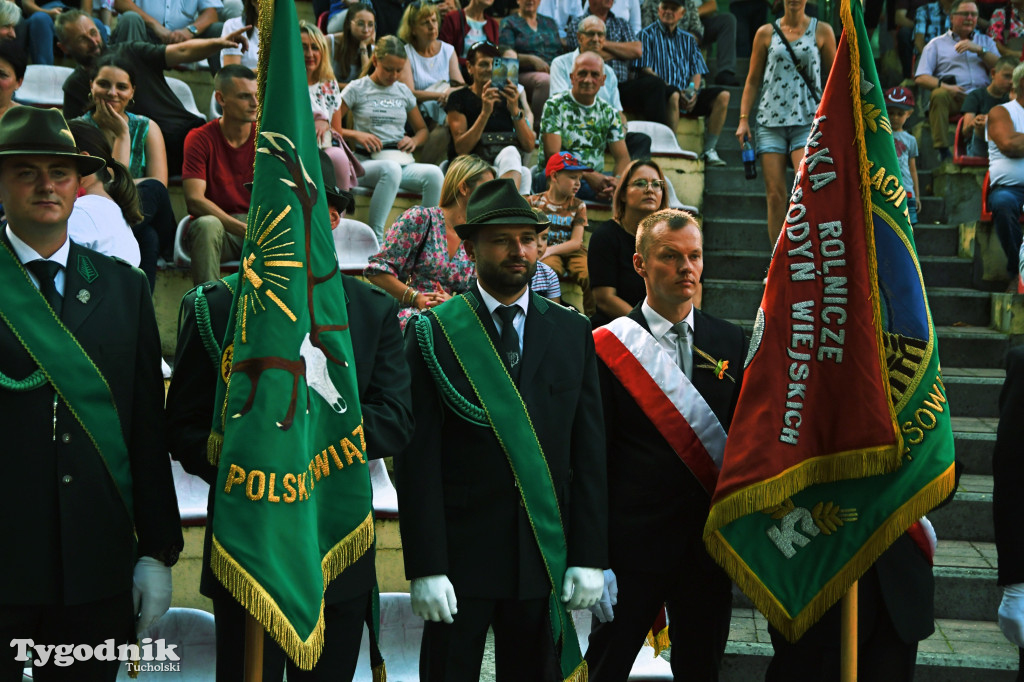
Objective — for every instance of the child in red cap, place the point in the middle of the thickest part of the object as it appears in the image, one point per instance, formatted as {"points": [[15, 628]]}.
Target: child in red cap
{"points": [[899, 103]]}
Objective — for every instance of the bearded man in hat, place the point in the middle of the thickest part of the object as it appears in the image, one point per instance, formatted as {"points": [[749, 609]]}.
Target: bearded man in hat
{"points": [[92, 520], [383, 380], [503, 490]]}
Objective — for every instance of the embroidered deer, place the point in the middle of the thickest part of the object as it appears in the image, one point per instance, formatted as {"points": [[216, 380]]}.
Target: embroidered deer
{"points": [[313, 355]]}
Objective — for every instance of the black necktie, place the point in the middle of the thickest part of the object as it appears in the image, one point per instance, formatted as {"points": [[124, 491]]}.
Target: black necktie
{"points": [[509, 339], [45, 271]]}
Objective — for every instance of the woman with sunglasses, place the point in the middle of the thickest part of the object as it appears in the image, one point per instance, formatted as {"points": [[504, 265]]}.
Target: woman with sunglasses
{"points": [[355, 46], [431, 68], [464, 28], [381, 105], [616, 285], [788, 97]]}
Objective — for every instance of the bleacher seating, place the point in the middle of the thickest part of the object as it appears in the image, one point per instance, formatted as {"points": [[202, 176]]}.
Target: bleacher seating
{"points": [[960, 155], [42, 85]]}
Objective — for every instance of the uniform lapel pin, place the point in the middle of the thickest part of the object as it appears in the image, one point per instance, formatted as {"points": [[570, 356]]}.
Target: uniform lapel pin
{"points": [[83, 295]]}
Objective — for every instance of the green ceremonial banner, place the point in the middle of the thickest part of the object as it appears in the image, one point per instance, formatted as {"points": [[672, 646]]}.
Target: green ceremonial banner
{"points": [[841, 438], [293, 505]]}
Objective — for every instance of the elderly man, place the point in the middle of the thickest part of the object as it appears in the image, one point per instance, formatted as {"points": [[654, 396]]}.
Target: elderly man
{"points": [[168, 22], [673, 55], [97, 520], [709, 26], [577, 121], [643, 93], [590, 35], [1006, 173], [507, 448], [154, 98], [653, 486], [37, 28], [951, 65]]}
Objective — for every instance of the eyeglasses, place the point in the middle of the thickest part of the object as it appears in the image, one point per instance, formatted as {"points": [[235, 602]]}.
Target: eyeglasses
{"points": [[482, 43], [592, 34], [643, 184]]}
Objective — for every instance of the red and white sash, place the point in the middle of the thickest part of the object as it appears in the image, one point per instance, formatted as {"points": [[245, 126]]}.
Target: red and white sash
{"points": [[665, 395]]}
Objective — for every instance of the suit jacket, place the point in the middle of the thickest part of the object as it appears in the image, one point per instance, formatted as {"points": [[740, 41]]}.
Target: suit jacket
{"points": [[70, 539], [460, 510], [1008, 472], [657, 508], [381, 374]]}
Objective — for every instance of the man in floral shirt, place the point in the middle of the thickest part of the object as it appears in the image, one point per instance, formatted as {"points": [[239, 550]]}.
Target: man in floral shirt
{"points": [[577, 121]]}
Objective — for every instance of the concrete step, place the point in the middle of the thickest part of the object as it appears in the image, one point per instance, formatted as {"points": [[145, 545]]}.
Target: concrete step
{"points": [[969, 515], [936, 240], [735, 299], [959, 650], [947, 271], [739, 264], [973, 392], [972, 346], [750, 203]]}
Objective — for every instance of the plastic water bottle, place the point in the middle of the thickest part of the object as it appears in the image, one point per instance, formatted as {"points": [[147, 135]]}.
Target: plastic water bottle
{"points": [[690, 90], [749, 159]]}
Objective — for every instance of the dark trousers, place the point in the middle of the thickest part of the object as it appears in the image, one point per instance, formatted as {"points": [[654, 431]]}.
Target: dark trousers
{"points": [[644, 96], [638, 145], [523, 648], [91, 624], [881, 657], [1005, 203], [174, 141], [343, 631], [699, 598], [155, 234]]}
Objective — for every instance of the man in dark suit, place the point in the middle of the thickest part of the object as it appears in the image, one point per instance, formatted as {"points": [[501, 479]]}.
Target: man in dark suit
{"points": [[1008, 482], [660, 485], [91, 518], [383, 380], [502, 492]]}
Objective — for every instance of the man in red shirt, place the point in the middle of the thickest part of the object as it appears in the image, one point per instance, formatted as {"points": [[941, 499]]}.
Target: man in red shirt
{"points": [[219, 159]]}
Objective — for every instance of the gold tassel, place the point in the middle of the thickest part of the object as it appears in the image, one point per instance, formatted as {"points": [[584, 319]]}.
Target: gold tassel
{"points": [[380, 673], [256, 600], [133, 669], [214, 446], [659, 642], [579, 674], [794, 628]]}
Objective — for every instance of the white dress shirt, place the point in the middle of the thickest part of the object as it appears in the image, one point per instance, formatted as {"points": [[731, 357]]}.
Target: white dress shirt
{"points": [[26, 253], [662, 331], [519, 321]]}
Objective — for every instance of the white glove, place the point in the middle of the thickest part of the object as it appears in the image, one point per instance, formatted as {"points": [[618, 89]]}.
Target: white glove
{"points": [[433, 598], [609, 598], [1011, 613], [151, 592], [582, 587]]}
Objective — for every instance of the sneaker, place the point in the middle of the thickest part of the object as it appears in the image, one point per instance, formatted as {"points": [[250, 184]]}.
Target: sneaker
{"points": [[944, 154], [711, 158]]}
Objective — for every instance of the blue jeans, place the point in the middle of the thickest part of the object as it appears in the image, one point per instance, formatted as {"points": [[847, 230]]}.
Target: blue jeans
{"points": [[39, 30], [1006, 202]]}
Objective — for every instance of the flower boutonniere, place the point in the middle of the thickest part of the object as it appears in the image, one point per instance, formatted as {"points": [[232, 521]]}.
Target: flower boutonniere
{"points": [[718, 367]]}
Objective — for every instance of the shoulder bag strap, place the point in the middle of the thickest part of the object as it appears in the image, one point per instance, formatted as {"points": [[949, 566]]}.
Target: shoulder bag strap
{"points": [[796, 62]]}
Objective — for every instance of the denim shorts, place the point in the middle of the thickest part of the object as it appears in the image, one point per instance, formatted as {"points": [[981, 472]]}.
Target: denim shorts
{"points": [[781, 139]]}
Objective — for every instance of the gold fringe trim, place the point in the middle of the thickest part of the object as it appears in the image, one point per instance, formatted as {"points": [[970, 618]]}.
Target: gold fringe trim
{"points": [[659, 642], [793, 628], [579, 674], [831, 468], [380, 673], [265, 26], [859, 139], [214, 446], [257, 601]]}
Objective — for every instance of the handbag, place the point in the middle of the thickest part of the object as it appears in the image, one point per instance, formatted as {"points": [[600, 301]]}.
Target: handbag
{"points": [[491, 144], [796, 63]]}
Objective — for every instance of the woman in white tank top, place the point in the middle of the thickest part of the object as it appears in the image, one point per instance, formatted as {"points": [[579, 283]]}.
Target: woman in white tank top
{"points": [[786, 103]]}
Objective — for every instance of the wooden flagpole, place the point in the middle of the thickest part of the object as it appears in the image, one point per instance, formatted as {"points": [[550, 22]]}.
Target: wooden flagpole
{"points": [[848, 655], [253, 649]]}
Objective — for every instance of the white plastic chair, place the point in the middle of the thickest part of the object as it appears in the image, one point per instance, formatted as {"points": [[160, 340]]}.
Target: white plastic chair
{"points": [[354, 242], [663, 138], [673, 201], [182, 259], [42, 86], [195, 636], [184, 94], [400, 635], [215, 110]]}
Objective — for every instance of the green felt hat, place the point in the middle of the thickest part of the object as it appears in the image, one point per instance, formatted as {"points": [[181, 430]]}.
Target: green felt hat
{"points": [[29, 131], [498, 202]]}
